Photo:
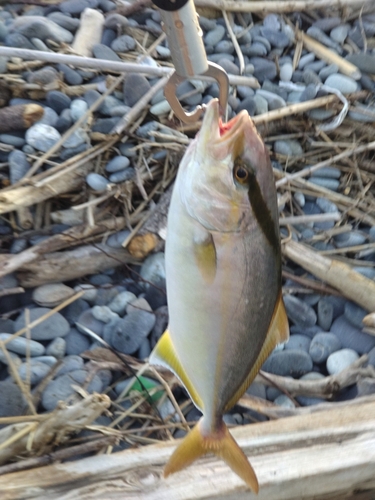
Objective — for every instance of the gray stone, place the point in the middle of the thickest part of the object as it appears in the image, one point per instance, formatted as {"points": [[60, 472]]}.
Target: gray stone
{"points": [[134, 88], [299, 312], [144, 350], [69, 364], [76, 139], [364, 61], [332, 184], [224, 47], [116, 239], [290, 362], [153, 269], [52, 327], [57, 348], [351, 337], [18, 165], [247, 104], [323, 345], [75, 7], [49, 117], [274, 100], [160, 108], [297, 341], [117, 163], [214, 36], [96, 181], [42, 28], [104, 313], [366, 386], [123, 43], [325, 314], [325, 72], [306, 59], [122, 175], [12, 400], [261, 105], [160, 326], [289, 147], [101, 51], [32, 370], [78, 108], [22, 345], [326, 206], [67, 22], [286, 72], [130, 332], [339, 360], [319, 35], [42, 137], [61, 388], [52, 294], [263, 69], [18, 41], [87, 320], [58, 101], [343, 83], [349, 239], [76, 342], [340, 33], [284, 401], [138, 304], [277, 38], [354, 314]]}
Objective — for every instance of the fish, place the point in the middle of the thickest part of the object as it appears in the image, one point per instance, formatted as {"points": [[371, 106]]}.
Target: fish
{"points": [[223, 281]]}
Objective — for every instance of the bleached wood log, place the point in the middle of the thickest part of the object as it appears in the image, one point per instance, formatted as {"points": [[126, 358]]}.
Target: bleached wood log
{"points": [[353, 285], [26, 196], [330, 455], [73, 264]]}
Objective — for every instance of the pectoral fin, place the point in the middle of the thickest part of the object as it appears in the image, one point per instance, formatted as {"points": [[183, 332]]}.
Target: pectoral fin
{"points": [[221, 443], [278, 332], [205, 254], [164, 355]]}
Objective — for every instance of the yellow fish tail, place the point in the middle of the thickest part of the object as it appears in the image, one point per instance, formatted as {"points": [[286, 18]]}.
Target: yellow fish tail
{"points": [[221, 444]]}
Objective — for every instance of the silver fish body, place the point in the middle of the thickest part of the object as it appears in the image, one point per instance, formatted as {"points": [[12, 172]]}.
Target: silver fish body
{"points": [[223, 268]]}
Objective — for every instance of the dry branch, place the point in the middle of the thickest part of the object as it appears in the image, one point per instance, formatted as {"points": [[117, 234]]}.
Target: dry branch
{"points": [[19, 117], [351, 284], [16, 440], [326, 387], [73, 264], [26, 196]]}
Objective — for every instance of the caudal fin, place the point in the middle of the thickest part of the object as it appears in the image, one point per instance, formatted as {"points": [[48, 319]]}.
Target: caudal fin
{"points": [[222, 444]]}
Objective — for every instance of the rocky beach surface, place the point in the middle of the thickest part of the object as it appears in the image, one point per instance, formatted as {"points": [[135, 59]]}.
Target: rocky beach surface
{"points": [[70, 185]]}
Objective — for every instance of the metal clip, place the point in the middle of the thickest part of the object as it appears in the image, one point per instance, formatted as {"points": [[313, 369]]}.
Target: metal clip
{"points": [[180, 23]]}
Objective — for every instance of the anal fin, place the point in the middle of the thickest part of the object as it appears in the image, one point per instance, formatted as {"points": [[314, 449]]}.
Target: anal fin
{"points": [[164, 355], [221, 444]]}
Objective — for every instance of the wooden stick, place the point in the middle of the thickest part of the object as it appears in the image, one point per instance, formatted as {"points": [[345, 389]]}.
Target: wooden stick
{"points": [[70, 265], [305, 219], [279, 6], [19, 117], [324, 53], [27, 196], [351, 284]]}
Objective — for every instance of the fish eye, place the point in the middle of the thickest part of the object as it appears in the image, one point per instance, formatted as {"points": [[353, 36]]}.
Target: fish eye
{"points": [[241, 174]]}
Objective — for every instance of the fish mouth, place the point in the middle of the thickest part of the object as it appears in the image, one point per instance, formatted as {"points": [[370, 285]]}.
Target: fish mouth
{"points": [[233, 136]]}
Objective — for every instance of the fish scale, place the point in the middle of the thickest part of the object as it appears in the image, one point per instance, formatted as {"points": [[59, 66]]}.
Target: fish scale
{"points": [[223, 275]]}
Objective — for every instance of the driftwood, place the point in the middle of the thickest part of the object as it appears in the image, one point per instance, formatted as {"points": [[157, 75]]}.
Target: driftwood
{"points": [[351, 284], [73, 264], [36, 437], [329, 455], [26, 196], [326, 387], [279, 6], [19, 117]]}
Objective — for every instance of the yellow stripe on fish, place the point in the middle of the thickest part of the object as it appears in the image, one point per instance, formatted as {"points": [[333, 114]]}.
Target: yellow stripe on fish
{"points": [[223, 272]]}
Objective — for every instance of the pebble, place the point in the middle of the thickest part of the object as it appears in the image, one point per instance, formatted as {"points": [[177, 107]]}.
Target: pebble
{"points": [[299, 342], [134, 88], [96, 181], [138, 304], [122, 175], [49, 117], [286, 72], [42, 137], [57, 348], [343, 83], [364, 61], [78, 108], [104, 313], [22, 345], [299, 312], [331, 184], [322, 345], [276, 38], [65, 21], [349, 239], [58, 100], [51, 295], [339, 33], [117, 163], [354, 314], [32, 370], [153, 269], [61, 388], [12, 399], [18, 165], [50, 328], [284, 401], [325, 314], [214, 36], [123, 43], [274, 100], [339, 360], [115, 240], [76, 342], [263, 69], [101, 51], [42, 28], [289, 147], [292, 362], [352, 337], [129, 332], [366, 386]]}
